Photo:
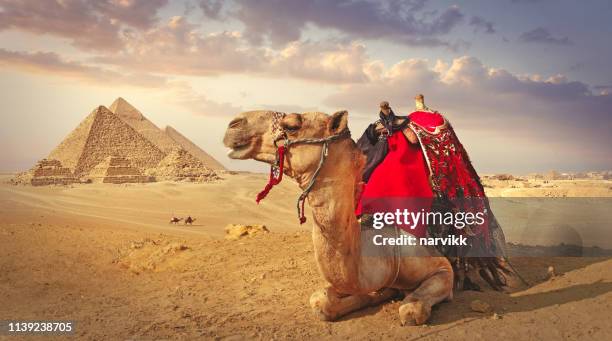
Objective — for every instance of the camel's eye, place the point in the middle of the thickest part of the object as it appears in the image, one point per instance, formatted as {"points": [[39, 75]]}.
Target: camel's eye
{"points": [[290, 128], [292, 123]]}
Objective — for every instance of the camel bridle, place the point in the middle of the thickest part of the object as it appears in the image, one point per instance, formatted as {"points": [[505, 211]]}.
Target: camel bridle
{"points": [[276, 169]]}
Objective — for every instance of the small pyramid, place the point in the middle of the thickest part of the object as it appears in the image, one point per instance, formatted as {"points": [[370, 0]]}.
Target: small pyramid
{"points": [[46, 172], [193, 149], [179, 165]]}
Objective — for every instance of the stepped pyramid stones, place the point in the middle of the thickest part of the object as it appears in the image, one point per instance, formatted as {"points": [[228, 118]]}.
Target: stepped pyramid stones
{"points": [[193, 149], [117, 170], [46, 172], [179, 165]]}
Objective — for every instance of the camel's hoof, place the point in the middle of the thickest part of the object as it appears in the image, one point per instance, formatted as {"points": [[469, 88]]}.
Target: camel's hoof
{"points": [[321, 304], [414, 313]]}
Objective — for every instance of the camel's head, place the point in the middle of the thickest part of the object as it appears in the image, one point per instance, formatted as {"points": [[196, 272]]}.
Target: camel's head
{"points": [[250, 136]]}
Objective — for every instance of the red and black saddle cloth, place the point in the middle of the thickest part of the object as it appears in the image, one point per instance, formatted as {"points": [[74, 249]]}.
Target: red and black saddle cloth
{"points": [[457, 188]]}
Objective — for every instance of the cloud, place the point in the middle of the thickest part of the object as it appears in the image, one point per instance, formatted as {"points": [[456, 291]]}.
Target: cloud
{"points": [[178, 47], [179, 92], [336, 63], [184, 95], [89, 24], [542, 35], [518, 111], [211, 8], [404, 22], [481, 24], [50, 63], [604, 89]]}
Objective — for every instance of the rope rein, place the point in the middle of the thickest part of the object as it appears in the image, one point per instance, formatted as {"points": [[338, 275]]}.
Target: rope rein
{"points": [[276, 170]]}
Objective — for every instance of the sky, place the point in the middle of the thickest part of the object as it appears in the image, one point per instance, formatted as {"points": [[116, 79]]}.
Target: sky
{"points": [[526, 84]]}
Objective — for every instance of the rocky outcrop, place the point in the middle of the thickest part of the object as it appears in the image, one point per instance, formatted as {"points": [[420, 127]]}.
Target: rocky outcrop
{"points": [[237, 231]]}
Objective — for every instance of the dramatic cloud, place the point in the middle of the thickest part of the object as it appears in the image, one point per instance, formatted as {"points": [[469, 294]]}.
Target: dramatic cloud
{"points": [[282, 21], [89, 24], [178, 47], [481, 24], [542, 35], [52, 64], [514, 110], [337, 63]]}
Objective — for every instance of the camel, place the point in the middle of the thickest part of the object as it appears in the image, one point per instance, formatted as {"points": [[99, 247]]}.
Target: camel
{"points": [[357, 278], [175, 220], [189, 220]]}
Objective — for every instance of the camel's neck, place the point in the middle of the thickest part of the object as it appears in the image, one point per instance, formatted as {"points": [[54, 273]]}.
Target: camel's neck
{"points": [[336, 232]]}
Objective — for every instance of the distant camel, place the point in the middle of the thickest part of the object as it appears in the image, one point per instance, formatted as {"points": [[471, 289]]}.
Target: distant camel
{"points": [[189, 220], [175, 220]]}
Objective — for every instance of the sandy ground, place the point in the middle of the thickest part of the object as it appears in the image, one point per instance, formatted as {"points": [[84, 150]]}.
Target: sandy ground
{"points": [[105, 256]]}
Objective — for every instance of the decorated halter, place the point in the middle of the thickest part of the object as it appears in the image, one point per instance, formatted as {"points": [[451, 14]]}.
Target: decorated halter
{"points": [[276, 169]]}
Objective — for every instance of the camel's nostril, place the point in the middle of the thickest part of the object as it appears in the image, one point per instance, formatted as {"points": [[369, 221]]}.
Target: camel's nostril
{"points": [[236, 122]]}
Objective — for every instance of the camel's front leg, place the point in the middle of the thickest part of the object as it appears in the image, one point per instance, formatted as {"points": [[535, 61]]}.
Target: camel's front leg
{"points": [[329, 305], [416, 306]]}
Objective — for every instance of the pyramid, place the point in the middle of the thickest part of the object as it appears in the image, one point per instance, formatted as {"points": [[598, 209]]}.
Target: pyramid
{"points": [[180, 165], [118, 148], [46, 172], [135, 119], [100, 135], [166, 140], [193, 149]]}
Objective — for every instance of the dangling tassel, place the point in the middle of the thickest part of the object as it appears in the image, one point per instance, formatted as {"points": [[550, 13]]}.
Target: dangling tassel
{"points": [[276, 174], [300, 209]]}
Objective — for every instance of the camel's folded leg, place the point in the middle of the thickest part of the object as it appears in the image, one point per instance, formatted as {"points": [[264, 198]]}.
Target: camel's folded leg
{"points": [[329, 305], [416, 307]]}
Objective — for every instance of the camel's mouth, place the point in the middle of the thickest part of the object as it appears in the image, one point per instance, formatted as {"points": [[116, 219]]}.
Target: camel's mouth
{"points": [[241, 151]]}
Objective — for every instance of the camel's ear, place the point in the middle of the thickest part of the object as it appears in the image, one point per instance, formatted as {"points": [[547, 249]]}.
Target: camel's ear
{"points": [[338, 122]]}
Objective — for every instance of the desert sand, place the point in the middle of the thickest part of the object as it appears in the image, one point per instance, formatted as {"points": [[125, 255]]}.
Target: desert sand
{"points": [[105, 256]]}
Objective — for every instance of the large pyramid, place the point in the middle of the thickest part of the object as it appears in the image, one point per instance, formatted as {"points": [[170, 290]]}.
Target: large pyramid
{"points": [[167, 140], [118, 148], [100, 135]]}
